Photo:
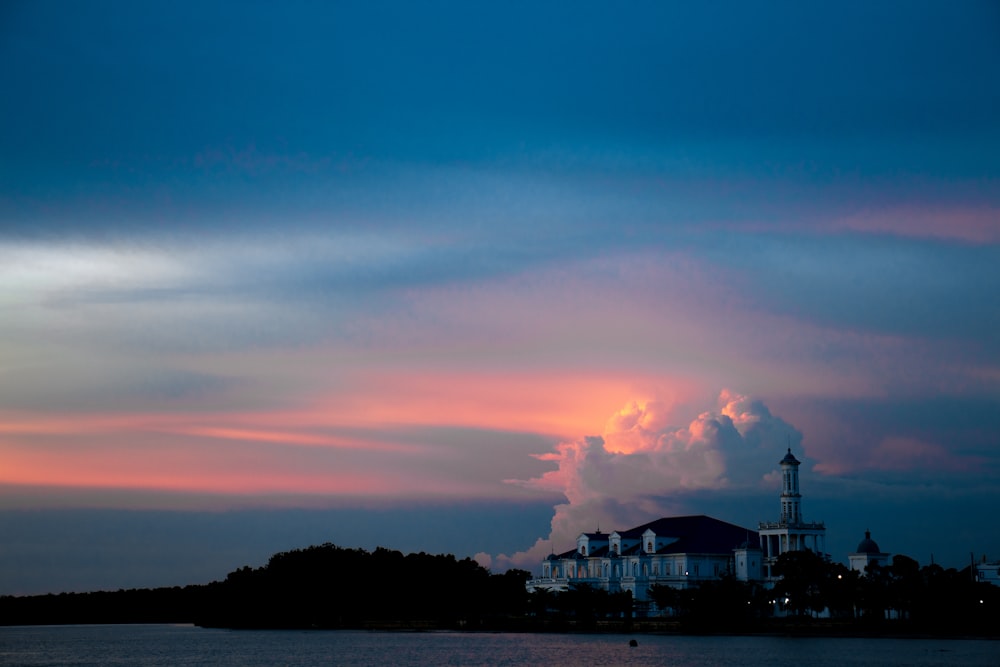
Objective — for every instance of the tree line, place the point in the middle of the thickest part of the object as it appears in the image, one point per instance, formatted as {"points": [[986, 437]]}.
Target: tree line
{"points": [[901, 597], [328, 586], [322, 586]]}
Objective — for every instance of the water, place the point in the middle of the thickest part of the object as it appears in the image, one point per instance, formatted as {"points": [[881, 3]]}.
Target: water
{"points": [[170, 645]]}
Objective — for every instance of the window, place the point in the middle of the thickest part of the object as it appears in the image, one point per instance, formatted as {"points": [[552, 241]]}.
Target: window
{"points": [[649, 547]]}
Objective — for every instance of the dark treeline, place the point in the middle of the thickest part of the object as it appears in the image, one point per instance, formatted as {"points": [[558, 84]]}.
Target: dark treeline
{"points": [[322, 586], [899, 598], [332, 587], [144, 605]]}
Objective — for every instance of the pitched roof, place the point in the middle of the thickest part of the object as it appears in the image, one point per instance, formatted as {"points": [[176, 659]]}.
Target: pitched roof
{"points": [[696, 534]]}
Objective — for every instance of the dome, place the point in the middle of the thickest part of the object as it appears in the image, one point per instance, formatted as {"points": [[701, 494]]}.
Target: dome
{"points": [[789, 459], [868, 545]]}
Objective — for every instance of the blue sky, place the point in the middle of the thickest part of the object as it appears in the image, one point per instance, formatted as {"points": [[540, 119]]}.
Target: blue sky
{"points": [[558, 264]]}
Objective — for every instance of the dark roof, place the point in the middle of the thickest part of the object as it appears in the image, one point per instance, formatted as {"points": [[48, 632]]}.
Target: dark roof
{"points": [[789, 458], [868, 545], [696, 534]]}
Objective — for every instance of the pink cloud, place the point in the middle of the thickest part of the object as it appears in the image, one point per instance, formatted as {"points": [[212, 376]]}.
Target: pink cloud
{"points": [[979, 225]]}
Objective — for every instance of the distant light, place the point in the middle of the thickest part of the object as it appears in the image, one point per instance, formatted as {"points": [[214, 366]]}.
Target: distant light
{"points": [[840, 576]]}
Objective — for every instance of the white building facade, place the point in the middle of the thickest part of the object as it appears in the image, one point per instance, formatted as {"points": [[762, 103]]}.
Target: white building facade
{"points": [[672, 551]]}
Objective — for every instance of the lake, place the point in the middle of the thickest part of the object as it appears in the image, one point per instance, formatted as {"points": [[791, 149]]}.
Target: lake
{"points": [[171, 645]]}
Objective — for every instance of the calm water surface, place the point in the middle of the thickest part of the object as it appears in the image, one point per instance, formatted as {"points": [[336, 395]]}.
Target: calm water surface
{"points": [[170, 645]]}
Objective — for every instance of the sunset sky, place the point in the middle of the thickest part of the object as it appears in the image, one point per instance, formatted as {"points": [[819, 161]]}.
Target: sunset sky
{"points": [[475, 278]]}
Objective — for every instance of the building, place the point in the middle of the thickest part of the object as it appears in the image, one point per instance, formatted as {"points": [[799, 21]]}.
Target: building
{"points": [[673, 551], [866, 554], [684, 551], [790, 532], [988, 572]]}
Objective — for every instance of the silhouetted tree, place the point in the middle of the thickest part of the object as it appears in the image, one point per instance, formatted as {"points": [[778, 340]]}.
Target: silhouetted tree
{"points": [[803, 577]]}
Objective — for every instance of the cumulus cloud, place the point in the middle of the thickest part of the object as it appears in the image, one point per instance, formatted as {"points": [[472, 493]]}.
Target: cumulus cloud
{"points": [[641, 467]]}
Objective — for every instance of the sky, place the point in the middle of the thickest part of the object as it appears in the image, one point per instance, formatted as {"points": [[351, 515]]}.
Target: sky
{"points": [[469, 278]]}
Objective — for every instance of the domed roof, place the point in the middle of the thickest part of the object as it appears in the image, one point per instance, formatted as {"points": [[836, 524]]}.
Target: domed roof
{"points": [[789, 458], [868, 545]]}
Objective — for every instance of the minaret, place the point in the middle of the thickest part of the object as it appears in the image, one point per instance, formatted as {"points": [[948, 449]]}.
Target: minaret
{"points": [[791, 499], [790, 532]]}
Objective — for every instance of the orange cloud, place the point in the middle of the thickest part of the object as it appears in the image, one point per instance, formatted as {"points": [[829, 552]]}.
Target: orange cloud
{"points": [[563, 404]]}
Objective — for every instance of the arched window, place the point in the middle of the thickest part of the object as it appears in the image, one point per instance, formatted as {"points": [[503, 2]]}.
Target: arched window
{"points": [[649, 547]]}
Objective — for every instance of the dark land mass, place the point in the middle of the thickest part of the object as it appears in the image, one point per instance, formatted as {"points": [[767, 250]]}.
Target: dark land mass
{"points": [[330, 587]]}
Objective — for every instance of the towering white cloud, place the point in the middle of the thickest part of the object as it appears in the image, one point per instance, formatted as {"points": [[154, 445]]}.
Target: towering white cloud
{"points": [[641, 467]]}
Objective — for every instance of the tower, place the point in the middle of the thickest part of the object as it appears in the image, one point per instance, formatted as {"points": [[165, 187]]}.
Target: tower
{"points": [[791, 499], [790, 532]]}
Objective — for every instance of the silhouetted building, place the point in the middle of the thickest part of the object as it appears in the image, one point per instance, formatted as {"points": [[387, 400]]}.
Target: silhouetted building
{"points": [[988, 572], [866, 554]]}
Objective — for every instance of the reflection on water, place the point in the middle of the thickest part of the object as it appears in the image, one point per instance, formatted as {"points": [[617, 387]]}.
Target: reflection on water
{"points": [[144, 645]]}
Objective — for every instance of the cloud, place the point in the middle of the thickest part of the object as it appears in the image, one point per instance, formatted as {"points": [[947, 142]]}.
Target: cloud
{"points": [[642, 468], [970, 224]]}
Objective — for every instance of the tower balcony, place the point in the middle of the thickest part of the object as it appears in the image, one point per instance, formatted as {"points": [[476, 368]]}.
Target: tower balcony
{"points": [[802, 525]]}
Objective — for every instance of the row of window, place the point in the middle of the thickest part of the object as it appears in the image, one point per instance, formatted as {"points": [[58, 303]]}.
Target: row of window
{"points": [[583, 571], [614, 548]]}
